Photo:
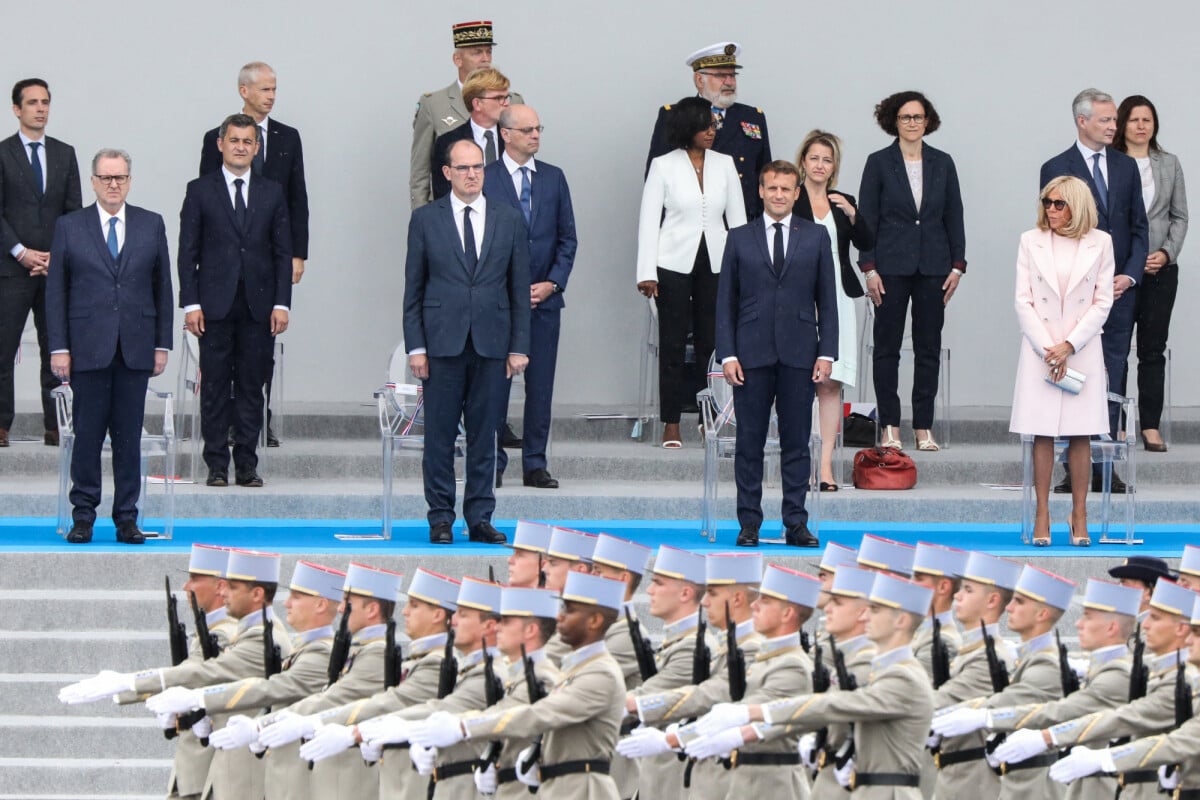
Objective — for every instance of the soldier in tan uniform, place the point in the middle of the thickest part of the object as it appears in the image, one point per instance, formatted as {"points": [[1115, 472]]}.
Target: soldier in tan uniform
{"points": [[987, 587], [1142, 573], [834, 556], [568, 551], [580, 717], [1039, 600], [890, 713], [530, 542], [370, 594], [441, 111], [884, 555], [312, 603]]}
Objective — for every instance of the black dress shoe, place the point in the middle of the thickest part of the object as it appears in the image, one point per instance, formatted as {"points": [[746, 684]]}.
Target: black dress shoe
{"points": [[441, 533], [499, 479], [1065, 486], [1118, 485], [249, 478], [128, 533], [80, 533], [509, 439], [272, 439], [748, 537], [799, 536], [50, 438], [485, 532], [217, 477], [540, 479]]}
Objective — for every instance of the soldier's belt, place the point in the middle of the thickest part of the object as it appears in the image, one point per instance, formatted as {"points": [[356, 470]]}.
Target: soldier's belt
{"points": [[506, 775], [1185, 794], [942, 759], [1137, 776], [1044, 760], [884, 779], [396, 746], [597, 765], [454, 769], [739, 759]]}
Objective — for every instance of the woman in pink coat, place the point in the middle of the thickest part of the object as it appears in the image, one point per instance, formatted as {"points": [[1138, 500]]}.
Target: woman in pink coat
{"points": [[1064, 292]]}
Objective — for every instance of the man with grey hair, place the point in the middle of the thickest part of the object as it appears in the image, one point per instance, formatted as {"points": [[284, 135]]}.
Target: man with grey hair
{"points": [[109, 317], [280, 158], [1116, 187]]}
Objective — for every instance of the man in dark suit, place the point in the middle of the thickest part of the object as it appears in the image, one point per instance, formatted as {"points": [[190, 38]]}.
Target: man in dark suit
{"points": [[110, 323], [777, 335], [280, 158], [485, 95], [466, 328], [235, 287], [539, 191], [39, 182], [741, 129], [1116, 187]]}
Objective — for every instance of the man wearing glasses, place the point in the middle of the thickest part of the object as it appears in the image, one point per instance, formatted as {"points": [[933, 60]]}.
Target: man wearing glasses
{"points": [[466, 328], [486, 95], [109, 317], [741, 129]]}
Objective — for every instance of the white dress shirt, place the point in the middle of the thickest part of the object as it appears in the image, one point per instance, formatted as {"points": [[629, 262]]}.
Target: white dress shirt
{"points": [[262, 137], [514, 169], [477, 132], [1088, 155], [478, 215]]}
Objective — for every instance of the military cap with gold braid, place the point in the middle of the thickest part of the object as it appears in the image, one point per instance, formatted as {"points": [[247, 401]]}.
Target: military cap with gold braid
{"points": [[1172, 598], [437, 590], [721, 55], [382, 584], [1111, 597], [208, 559], [473, 34], [252, 566], [317, 581]]}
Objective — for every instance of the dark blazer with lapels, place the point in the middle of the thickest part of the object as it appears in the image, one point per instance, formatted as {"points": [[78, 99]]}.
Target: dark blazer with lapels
{"points": [[27, 217]]}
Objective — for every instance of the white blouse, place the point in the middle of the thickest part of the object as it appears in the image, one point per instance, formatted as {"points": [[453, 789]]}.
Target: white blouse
{"points": [[1147, 180], [915, 181]]}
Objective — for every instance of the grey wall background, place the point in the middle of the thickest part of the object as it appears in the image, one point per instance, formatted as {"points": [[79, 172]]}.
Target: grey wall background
{"points": [[152, 77]]}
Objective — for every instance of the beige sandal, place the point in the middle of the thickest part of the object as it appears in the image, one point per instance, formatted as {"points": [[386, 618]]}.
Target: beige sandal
{"points": [[891, 437], [928, 444]]}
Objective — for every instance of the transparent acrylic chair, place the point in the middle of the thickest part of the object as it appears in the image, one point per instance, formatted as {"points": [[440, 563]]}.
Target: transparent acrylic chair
{"points": [[720, 439], [645, 427], [158, 451], [1106, 452], [1164, 426]]}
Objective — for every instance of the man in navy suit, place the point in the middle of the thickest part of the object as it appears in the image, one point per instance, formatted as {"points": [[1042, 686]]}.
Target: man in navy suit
{"points": [[466, 328], [777, 336], [39, 182], [1116, 187], [235, 288], [280, 157], [485, 94], [109, 317], [539, 191]]}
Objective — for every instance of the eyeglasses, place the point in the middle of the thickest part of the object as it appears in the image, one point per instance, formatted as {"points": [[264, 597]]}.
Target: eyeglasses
{"points": [[527, 131], [464, 169], [119, 180], [500, 98], [910, 119], [1059, 205]]}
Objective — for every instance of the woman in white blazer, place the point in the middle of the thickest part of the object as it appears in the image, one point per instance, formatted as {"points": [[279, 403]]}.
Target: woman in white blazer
{"points": [[1063, 295], [691, 198]]}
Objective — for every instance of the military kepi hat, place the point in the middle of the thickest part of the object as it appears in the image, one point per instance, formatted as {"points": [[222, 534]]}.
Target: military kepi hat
{"points": [[570, 545], [879, 553], [318, 581], [723, 569], [525, 602], [594, 590], [853, 582], [1172, 598], [938, 560], [479, 595], [253, 566], [672, 562], [837, 555], [1112, 597], [437, 590], [472, 34], [621, 554], [1045, 587], [720, 55], [1189, 562], [790, 586], [381, 584], [208, 559], [1196, 611], [1147, 569], [901, 593], [533, 536], [992, 570]]}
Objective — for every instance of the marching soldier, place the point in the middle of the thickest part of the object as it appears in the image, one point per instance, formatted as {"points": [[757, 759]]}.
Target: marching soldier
{"points": [[1189, 568], [568, 551], [834, 556], [884, 555], [1142, 573], [530, 543]]}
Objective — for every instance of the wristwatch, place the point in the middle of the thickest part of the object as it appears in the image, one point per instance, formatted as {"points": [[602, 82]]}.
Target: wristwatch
{"points": [[555, 288]]}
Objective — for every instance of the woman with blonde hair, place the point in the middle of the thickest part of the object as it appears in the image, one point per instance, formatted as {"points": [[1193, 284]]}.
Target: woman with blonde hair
{"points": [[1063, 295]]}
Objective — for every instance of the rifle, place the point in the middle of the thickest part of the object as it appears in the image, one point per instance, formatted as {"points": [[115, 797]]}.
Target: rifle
{"points": [[641, 648], [998, 673], [491, 574], [1139, 679], [176, 632], [1070, 681], [1183, 703], [735, 660], [493, 691], [272, 658], [939, 656], [392, 657], [821, 681], [448, 671], [805, 642], [847, 683], [210, 650], [341, 647], [701, 656]]}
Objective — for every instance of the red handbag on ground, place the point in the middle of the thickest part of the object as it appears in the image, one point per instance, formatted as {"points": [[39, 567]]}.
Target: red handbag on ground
{"points": [[884, 468]]}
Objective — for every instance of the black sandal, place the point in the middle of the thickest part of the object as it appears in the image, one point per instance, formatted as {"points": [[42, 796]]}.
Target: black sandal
{"points": [[828, 487]]}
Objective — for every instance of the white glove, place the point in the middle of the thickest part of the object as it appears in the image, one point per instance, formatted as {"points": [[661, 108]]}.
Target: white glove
{"points": [[934, 741], [328, 741], [1082, 762], [721, 743], [1168, 777], [239, 731], [439, 729], [287, 728], [167, 722], [1080, 665], [527, 768], [723, 717], [960, 721], [990, 756], [98, 687], [485, 780], [844, 773], [176, 700], [385, 730], [807, 748], [423, 758], [203, 728], [643, 742], [371, 753], [1021, 745]]}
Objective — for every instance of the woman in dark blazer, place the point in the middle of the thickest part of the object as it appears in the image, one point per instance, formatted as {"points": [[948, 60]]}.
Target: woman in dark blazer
{"points": [[1166, 211], [910, 196], [820, 159]]}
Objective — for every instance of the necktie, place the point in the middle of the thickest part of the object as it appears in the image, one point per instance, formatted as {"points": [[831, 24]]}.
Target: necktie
{"points": [[36, 163], [526, 208], [260, 158], [489, 150], [112, 238], [1101, 186], [469, 241], [239, 203], [777, 256]]}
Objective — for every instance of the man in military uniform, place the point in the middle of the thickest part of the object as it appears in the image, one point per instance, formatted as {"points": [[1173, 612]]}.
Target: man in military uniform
{"points": [[1141, 572], [833, 556], [311, 606], [530, 542], [442, 111], [1189, 568], [569, 551], [580, 717], [741, 129], [885, 555]]}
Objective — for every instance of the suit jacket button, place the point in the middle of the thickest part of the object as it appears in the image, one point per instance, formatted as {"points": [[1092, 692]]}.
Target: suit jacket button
{"points": [[918, 222], [741, 158]]}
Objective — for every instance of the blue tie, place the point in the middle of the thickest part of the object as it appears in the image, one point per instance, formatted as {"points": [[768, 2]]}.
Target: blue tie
{"points": [[112, 237], [526, 208], [36, 163], [1101, 186], [469, 241]]}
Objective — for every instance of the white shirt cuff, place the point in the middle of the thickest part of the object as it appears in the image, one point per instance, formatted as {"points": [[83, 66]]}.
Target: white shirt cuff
{"points": [[825, 358], [162, 349], [958, 272], [281, 308], [727, 359], [190, 309], [17, 251], [417, 351], [57, 352]]}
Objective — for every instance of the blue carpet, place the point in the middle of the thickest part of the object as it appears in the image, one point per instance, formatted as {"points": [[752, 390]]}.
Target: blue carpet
{"points": [[410, 537]]}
